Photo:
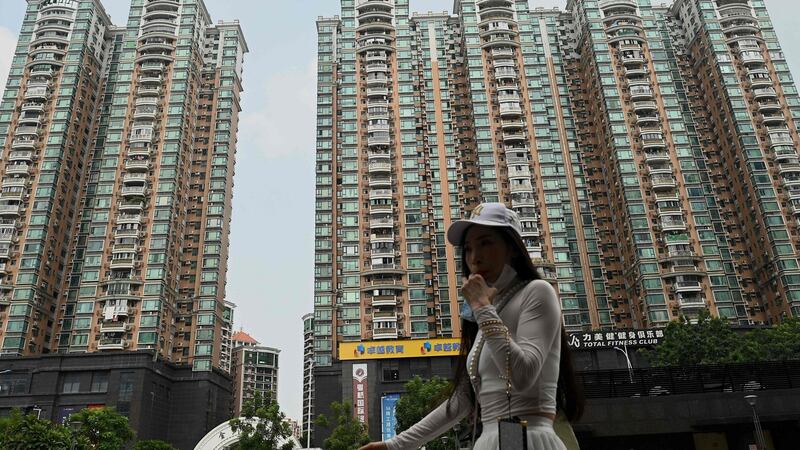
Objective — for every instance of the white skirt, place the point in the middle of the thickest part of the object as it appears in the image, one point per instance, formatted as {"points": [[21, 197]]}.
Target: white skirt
{"points": [[540, 435]]}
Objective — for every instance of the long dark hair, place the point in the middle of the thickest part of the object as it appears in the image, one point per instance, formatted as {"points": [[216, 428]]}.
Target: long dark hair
{"points": [[569, 395]]}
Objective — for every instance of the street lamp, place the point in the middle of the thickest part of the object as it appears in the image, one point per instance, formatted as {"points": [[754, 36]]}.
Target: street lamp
{"points": [[751, 400], [627, 360], [2, 372], [74, 426]]}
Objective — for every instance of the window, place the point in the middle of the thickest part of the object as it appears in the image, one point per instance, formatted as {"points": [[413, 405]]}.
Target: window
{"points": [[125, 393], [71, 383], [100, 382]]}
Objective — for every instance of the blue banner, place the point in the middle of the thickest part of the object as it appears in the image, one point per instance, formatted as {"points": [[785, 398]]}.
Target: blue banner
{"points": [[388, 417]]}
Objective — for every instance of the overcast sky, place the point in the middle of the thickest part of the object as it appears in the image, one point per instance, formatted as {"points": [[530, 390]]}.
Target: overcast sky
{"points": [[272, 252]]}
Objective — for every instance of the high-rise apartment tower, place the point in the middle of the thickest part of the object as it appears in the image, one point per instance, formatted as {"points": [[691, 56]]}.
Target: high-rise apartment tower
{"points": [[650, 152], [118, 154]]}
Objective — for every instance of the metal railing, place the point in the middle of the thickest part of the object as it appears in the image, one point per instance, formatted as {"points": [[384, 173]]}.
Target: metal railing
{"points": [[655, 381]]}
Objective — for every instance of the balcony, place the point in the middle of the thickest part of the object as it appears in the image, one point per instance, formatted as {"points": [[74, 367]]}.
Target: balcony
{"points": [[788, 167], [522, 200], [783, 152], [377, 68], [773, 119], [519, 171], [512, 124], [619, 3], [751, 57], [20, 156], [150, 79], [123, 263], [377, 80], [6, 235], [112, 344], [644, 106], [636, 59], [505, 73], [375, 167], [377, 92], [502, 53], [759, 78], [384, 332], [656, 156], [137, 164], [146, 101], [636, 72], [381, 237], [500, 39], [376, 180], [381, 222], [142, 134], [32, 107], [129, 218], [653, 142], [10, 209], [134, 178], [138, 152], [131, 206], [152, 67], [514, 136], [382, 249], [114, 327], [663, 182], [384, 300], [641, 92], [764, 93], [521, 186], [780, 139], [41, 71], [768, 106], [378, 139], [40, 93], [24, 143], [510, 109], [17, 169], [145, 112], [648, 120], [30, 119], [12, 193], [129, 191], [5, 253], [380, 208], [26, 131], [380, 193], [687, 286], [20, 182], [149, 91]]}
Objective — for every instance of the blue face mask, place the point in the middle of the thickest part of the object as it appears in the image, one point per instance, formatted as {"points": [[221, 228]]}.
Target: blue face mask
{"points": [[466, 313]]}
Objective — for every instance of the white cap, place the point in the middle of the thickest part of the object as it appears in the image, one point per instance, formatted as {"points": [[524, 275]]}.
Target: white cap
{"points": [[490, 215]]}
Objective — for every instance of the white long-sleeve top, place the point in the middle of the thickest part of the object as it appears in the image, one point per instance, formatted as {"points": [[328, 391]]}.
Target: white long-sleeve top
{"points": [[533, 318]]}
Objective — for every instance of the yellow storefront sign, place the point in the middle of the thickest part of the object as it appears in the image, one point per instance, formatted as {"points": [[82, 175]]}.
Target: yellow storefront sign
{"points": [[408, 348]]}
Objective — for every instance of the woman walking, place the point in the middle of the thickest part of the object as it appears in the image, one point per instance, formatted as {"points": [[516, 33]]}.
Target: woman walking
{"points": [[515, 371]]}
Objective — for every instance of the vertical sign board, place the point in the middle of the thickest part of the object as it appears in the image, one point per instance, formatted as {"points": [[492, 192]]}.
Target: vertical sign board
{"points": [[360, 392], [388, 416]]}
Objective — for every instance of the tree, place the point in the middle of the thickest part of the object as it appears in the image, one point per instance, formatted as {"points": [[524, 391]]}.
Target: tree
{"points": [[349, 433], [103, 428], [26, 432], [422, 397], [153, 445], [262, 425], [711, 340]]}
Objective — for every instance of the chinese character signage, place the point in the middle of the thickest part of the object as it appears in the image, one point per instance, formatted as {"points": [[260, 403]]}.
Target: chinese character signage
{"points": [[360, 392], [610, 339], [388, 416], [415, 348]]}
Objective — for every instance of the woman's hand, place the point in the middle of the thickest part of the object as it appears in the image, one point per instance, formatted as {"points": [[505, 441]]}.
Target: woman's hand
{"points": [[477, 292], [375, 446]]}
